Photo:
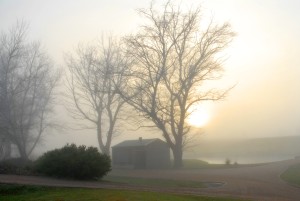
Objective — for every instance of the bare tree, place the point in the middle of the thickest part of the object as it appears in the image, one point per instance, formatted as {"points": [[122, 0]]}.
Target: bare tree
{"points": [[27, 81], [174, 57], [95, 71], [5, 148]]}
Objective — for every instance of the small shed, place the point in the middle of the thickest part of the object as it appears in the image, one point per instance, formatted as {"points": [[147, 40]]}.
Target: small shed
{"points": [[141, 154]]}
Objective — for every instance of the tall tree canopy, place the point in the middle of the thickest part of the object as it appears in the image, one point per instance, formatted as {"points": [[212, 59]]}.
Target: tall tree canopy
{"points": [[175, 53], [27, 82], [94, 73]]}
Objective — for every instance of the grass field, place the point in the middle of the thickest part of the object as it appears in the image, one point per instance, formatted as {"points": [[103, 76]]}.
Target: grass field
{"points": [[292, 175], [38, 193], [188, 164], [155, 182], [200, 164]]}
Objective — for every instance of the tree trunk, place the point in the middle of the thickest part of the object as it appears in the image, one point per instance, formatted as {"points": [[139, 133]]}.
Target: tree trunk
{"points": [[177, 153], [107, 150], [22, 152], [24, 157], [5, 149]]}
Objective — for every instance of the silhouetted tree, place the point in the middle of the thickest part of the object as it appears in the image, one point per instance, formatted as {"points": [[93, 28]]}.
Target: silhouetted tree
{"points": [[95, 71], [5, 147], [173, 57], [27, 81]]}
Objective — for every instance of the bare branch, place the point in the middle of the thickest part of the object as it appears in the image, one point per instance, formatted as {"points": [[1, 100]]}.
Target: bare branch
{"points": [[95, 72], [173, 58], [27, 83]]}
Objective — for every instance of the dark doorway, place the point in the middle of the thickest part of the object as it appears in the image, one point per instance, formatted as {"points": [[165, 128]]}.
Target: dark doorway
{"points": [[140, 160]]}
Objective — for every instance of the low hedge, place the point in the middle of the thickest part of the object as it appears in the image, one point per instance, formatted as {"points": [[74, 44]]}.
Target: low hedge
{"points": [[16, 166], [74, 162]]}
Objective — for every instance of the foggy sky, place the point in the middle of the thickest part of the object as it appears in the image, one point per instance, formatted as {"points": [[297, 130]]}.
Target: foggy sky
{"points": [[263, 61]]}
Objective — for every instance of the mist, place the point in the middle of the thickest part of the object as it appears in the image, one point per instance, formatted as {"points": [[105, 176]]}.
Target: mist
{"points": [[262, 63]]}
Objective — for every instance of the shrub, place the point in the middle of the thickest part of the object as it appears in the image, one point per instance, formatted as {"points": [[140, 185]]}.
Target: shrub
{"points": [[16, 166], [227, 161], [74, 162]]}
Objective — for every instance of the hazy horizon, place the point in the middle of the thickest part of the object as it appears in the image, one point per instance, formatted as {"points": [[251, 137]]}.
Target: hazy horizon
{"points": [[262, 62]]}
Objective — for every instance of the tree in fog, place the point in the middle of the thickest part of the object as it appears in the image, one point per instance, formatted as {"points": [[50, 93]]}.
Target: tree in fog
{"points": [[27, 81], [175, 53], [94, 73], [5, 147]]}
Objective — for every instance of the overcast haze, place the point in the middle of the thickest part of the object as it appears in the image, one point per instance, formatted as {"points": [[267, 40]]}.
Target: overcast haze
{"points": [[263, 60]]}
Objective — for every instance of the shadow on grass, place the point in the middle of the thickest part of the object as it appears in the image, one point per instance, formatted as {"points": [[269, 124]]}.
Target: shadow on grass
{"points": [[37, 193], [9, 189]]}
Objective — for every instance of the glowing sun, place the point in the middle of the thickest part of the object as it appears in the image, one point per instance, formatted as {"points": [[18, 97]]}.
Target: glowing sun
{"points": [[199, 117]]}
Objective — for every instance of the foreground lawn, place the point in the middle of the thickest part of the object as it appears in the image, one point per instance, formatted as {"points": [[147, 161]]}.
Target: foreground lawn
{"points": [[292, 175], [37, 193]]}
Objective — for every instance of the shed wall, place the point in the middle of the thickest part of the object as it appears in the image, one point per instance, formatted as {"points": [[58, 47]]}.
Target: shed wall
{"points": [[158, 155], [155, 155]]}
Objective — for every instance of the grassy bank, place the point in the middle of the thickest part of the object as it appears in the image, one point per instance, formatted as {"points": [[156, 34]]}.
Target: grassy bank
{"points": [[37, 193], [155, 182], [200, 164], [292, 175]]}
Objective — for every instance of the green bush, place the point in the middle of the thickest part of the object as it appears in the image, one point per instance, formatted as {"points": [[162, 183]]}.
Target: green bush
{"points": [[16, 166], [74, 162]]}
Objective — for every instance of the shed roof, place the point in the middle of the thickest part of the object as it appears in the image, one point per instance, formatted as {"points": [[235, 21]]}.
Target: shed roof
{"points": [[136, 143]]}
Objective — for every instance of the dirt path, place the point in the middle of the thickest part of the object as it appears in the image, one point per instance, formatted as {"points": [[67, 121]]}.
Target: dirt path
{"points": [[257, 183]]}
